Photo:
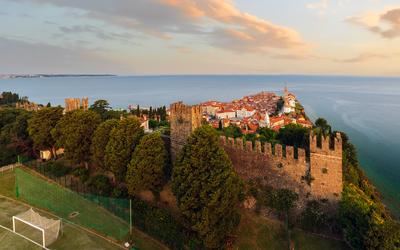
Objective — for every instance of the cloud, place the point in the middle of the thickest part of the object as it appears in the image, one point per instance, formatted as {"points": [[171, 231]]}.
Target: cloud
{"points": [[45, 58], [365, 57], [219, 22], [320, 6], [100, 34], [386, 24]]}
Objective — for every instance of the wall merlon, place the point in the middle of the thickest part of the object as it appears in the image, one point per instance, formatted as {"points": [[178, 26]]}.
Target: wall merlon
{"points": [[249, 146], [239, 143], [325, 143], [338, 143], [268, 149], [313, 142], [258, 147], [278, 150], [289, 152], [301, 155]]}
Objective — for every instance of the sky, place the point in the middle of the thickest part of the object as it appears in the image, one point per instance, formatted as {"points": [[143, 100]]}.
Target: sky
{"points": [[162, 37]]}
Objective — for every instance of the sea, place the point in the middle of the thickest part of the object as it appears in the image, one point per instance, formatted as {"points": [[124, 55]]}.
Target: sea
{"points": [[366, 108]]}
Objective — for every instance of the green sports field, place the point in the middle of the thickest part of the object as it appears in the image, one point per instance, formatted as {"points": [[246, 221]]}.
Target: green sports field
{"points": [[73, 237]]}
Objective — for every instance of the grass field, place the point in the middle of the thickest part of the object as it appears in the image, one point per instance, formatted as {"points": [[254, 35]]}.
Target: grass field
{"points": [[258, 233], [73, 237], [9, 240]]}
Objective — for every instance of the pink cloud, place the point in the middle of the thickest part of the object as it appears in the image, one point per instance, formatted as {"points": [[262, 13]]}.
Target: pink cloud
{"points": [[218, 23], [241, 31], [386, 24]]}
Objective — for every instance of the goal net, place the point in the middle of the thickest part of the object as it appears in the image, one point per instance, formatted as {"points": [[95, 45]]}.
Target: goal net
{"points": [[36, 227]]}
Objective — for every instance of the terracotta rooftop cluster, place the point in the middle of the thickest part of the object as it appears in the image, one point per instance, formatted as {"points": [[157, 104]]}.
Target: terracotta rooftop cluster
{"points": [[254, 111]]}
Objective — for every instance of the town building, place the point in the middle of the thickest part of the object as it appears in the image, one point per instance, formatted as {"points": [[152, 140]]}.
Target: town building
{"points": [[255, 111]]}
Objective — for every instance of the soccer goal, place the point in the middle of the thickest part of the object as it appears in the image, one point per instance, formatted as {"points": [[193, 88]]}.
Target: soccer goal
{"points": [[36, 228]]}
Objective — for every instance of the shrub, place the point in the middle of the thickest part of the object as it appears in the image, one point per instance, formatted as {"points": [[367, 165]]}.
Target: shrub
{"points": [[158, 223], [82, 173], [100, 184], [313, 218], [54, 169]]}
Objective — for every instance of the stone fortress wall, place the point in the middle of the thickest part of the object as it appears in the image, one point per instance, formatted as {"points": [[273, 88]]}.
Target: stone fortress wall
{"points": [[276, 165]]}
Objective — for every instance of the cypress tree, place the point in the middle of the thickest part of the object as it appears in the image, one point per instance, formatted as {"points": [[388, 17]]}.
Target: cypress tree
{"points": [[146, 169], [207, 188], [123, 140]]}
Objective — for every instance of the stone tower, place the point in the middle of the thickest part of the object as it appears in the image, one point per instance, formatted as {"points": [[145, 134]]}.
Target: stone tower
{"points": [[76, 103], [326, 168], [184, 120]]}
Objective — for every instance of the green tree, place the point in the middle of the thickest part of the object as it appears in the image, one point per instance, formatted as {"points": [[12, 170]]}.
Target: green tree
{"points": [[74, 133], [100, 139], [40, 128], [322, 127], [294, 135], [101, 107], [232, 131], [207, 188], [153, 124], [121, 145], [283, 200], [360, 218], [137, 111], [279, 105], [267, 134], [9, 98], [148, 164], [14, 137], [313, 217], [220, 126]]}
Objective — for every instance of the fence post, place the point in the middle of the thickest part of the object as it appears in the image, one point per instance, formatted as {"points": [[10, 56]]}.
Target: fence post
{"points": [[130, 216]]}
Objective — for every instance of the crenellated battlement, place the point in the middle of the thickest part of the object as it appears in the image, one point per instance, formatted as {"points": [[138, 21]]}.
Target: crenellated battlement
{"points": [[184, 120], [325, 148], [267, 150], [326, 167], [316, 177]]}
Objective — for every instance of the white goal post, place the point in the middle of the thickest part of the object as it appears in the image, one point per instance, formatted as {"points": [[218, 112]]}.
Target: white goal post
{"points": [[48, 227]]}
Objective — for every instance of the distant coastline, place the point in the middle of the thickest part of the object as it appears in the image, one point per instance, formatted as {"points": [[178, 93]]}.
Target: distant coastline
{"points": [[13, 76]]}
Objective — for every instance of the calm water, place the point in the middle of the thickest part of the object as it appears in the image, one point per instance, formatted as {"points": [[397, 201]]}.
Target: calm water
{"points": [[367, 109]]}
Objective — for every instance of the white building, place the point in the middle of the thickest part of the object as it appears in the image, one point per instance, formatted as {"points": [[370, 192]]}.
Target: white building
{"points": [[265, 123], [289, 105], [245, 112], [226, 114]]}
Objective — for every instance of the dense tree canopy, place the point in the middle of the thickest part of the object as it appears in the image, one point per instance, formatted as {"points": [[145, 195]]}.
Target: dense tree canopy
{"points": [[207, 188], [294, 135], [364, 223], [14, 137], [9, 98], [100, 139], [74, 133], [267, 134], [146, 169], [123, 140], [41, 125], [232, 131]]}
